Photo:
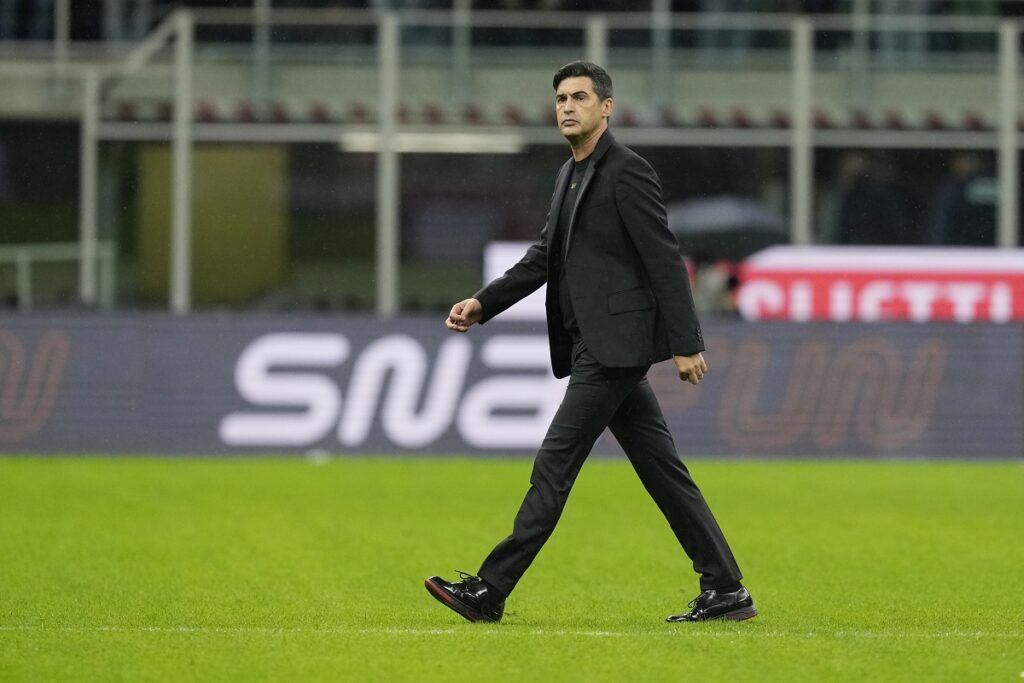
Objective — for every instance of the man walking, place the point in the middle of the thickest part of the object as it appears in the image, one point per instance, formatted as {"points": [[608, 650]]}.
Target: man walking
{"points": [[618, 300]]}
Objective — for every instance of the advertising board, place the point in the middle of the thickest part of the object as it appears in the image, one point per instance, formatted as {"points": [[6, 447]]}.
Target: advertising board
{"points": [[864, 284], [209, 384]]}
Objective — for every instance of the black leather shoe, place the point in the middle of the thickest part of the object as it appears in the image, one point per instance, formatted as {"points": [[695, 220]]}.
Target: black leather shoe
{"points": [[711, 604], [470, 597]]}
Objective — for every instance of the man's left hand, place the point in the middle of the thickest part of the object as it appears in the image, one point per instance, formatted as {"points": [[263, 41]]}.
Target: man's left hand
{"points": [[691, 368]]}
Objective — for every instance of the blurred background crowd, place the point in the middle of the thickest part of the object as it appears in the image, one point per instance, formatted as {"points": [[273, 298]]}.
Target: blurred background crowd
{"points": [[912, 157], [33, 19]]}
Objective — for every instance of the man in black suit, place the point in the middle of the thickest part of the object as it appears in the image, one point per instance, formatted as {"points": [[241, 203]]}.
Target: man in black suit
{"points": [[618, 300]]}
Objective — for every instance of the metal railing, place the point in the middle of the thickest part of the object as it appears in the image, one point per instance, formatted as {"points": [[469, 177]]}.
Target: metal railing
{"points": [[384, 136], [23, 257]]}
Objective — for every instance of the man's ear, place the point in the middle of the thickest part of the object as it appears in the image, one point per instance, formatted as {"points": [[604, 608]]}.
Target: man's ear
{"points": [[606, 107]]}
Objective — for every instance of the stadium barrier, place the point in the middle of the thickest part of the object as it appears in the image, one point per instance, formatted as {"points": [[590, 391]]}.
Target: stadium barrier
{"points": [[872, 284], [210, 384]]}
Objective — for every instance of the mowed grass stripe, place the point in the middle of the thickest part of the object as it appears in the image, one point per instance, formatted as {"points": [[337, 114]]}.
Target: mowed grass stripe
{"points": [[271, 569]]}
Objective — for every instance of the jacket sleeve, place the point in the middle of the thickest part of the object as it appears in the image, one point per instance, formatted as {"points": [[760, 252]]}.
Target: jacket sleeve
{"points": [[642, 209], [519, 281]]}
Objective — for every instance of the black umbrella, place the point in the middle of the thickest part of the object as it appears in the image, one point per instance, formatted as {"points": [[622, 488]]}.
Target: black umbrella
{"points": [[725, 228]]}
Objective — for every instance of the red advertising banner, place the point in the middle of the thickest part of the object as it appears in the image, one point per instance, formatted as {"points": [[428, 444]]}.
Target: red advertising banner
{"points": [[917, 284]]}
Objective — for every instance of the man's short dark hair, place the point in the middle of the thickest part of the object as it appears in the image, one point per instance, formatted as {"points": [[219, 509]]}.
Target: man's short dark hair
{"points": [[600, 78]]}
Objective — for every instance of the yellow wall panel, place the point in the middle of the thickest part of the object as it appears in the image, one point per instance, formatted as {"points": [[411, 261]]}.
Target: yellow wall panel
{"points": [[239, 222]]}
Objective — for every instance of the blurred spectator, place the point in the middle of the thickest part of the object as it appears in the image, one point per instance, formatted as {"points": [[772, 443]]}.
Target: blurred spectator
{"points": [[26, 19], [878, 209], [913, 46], [965, 205], [823, 40], [714, 287], [868, 205], [86, 20], [849, 170], [717, 43], [1006, 9], [529, 35], [505, 36], [817, 6], [431, 35], [10, 19], [981, 42], [33, 19], [8, 14], [894, 44], [5, 178]]}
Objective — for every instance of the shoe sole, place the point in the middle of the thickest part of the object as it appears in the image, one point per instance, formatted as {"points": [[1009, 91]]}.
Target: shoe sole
{"points": [[460, 608], [741, 614]]}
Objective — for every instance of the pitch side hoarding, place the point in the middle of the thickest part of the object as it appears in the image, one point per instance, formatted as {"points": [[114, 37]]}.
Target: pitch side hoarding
{"points": [[268, 384], [864, 284]]}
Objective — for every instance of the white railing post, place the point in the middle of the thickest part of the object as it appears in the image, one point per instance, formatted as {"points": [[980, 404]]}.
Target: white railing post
{"points": [[96, 287], [113, 20], [62, 36], [597, 39], [88, 232], [261, 52], [181, 164], [860, 55], [23, 279], [387, 166], [1009, 160], [661, 52], [801, 150], [25, 256], [461, 51]]}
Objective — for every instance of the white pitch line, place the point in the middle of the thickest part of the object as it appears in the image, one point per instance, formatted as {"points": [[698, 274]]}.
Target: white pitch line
{"points": [[671, 632]]}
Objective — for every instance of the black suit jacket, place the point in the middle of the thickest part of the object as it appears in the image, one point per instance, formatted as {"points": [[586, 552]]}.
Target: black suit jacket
{"points": [[630, 290]]}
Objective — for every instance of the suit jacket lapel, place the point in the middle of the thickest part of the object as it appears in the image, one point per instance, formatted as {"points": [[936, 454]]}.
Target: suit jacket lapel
{"points": [[606, 141], [561, 185]]}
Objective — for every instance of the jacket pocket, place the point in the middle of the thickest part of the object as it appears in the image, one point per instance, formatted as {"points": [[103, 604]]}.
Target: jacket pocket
{"points": [[637, 299]]}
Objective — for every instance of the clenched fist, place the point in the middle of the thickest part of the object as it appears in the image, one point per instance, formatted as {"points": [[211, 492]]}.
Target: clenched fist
{"points": [[691, 368], [463, 315]]}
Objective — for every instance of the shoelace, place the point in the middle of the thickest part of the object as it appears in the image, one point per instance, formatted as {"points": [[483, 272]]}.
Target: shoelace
{"points": [[467, 577], [693, 603]]}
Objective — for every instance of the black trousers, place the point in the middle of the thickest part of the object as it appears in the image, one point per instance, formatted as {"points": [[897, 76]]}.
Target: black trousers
{"points": [[622, 400]]}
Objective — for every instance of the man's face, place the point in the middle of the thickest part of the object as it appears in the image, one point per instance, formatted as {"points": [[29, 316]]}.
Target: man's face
{"points": [[579, 111]]}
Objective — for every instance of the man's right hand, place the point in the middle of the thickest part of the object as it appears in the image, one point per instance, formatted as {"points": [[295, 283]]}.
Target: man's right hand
{"points": [[463, 315]]}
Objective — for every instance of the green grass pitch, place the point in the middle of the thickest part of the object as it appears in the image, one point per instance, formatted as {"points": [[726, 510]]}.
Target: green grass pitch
{"points": [[283, 569]]}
